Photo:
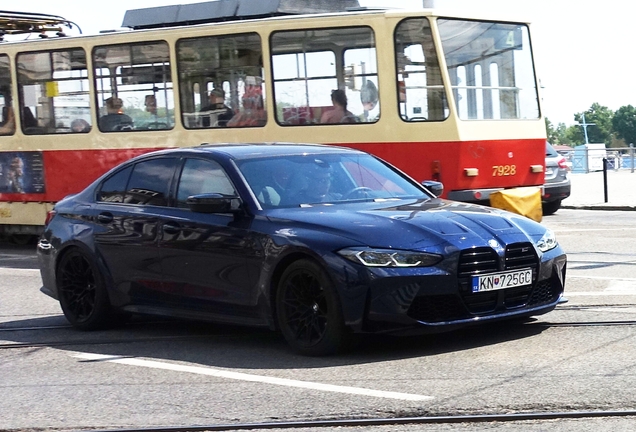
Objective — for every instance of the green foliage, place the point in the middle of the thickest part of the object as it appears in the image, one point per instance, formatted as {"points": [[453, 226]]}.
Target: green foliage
{"points": [[624, 123], [558, 134], [601, 129]]}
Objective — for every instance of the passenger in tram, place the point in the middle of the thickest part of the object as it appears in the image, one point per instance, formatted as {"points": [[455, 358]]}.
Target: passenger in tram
{"points": [[253, 112], [151, 104], [8, 121], [28, 119], [369, 99], [115, 119], [80, 126], [339, 113], [216, 106]]}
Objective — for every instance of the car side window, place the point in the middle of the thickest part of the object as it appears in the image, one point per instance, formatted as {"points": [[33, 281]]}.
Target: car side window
{"points": [[149, 182], [202, 177], [113, 188]]}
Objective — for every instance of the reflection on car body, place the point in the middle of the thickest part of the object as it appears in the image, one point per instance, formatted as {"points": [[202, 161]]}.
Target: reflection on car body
{"points": [[348, 244]]}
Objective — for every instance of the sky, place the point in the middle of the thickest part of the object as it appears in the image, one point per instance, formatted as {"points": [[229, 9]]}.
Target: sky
{"points": [[583, 49]]}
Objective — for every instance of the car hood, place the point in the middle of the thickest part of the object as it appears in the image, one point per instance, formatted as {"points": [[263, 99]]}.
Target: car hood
{"points": [[413, 224]]}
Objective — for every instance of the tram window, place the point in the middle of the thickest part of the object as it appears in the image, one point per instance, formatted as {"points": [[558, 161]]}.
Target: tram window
{"points": [[7, 120], [53, 91], [309, 64], [490, 67], [421, 95], [221, 81], [134, 87]]}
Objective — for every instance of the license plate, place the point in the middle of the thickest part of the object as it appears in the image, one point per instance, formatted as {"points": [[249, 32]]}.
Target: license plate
{"points": [[503, 280]]}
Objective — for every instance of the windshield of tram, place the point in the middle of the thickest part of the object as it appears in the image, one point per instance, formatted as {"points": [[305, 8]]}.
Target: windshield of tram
{"points": [[491, 69]]}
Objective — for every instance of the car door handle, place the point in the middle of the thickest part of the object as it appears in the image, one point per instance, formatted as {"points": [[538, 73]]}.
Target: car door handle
{"points": [[171, 228], [105, 218]]}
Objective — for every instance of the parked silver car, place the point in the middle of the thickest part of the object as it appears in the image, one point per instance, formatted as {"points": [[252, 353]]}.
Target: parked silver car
{"points": [[557, 180]]}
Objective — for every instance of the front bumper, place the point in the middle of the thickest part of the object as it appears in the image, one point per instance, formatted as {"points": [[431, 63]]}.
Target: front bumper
{"points": [[412, 305]]}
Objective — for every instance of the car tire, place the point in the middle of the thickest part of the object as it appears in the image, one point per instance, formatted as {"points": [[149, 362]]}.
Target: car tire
{"points": [[309, 312], [82, 292], [551, 207]]}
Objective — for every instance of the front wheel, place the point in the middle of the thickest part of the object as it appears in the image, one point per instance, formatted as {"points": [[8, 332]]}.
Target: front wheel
{"points": [[82, 293], [308, 310]]}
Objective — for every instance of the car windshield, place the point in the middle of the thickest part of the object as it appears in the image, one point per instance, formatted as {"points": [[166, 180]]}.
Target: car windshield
{"points": [[291, 181]]}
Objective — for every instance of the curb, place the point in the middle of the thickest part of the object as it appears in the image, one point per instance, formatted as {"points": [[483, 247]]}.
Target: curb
{"points": [[599, 207]]}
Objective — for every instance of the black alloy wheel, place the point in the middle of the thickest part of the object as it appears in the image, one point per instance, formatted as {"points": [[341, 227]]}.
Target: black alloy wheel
{"points": [[309, 312], [82, 293]]}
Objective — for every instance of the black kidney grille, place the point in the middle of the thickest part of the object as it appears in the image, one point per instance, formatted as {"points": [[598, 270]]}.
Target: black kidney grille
{"points": [[520, 255], [516, 297], [477, 260]]}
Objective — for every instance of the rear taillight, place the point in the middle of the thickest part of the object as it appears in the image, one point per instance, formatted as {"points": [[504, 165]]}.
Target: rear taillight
{"points": [[562, 163], [49, 216]]}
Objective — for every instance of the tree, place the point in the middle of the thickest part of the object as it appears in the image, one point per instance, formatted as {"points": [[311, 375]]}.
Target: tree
{"points": [[601, 131], [557, 135], [624, 124]]}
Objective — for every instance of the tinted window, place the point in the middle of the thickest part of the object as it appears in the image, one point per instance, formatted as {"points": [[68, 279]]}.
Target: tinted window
{"points": [[150, 182], [201, 177], [114, 188]]}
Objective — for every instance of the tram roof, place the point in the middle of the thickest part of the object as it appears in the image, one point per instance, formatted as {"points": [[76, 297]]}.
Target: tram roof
{"points": [[229, 10]]}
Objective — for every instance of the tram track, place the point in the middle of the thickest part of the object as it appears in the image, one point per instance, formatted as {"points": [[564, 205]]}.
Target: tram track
{"points": [[396, 421], [148, 339]]}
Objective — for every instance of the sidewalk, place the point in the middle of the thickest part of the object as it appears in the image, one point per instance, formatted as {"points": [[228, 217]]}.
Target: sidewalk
{"points": [[588, 191]]}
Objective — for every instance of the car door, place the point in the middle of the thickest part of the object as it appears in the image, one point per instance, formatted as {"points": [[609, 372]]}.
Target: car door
{"points": [[204, 255], [126, 216]]}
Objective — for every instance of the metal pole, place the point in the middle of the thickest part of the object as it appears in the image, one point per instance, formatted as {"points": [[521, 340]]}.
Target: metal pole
{"points": [[605, 177], [631, 155]]}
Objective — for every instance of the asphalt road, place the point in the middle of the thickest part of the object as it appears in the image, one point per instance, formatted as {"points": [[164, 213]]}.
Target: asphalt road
{"points": [[150, 373]]}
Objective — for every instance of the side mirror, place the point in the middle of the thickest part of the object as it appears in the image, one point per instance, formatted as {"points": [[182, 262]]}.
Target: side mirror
{"points": [[214, 203], [434, 187]]}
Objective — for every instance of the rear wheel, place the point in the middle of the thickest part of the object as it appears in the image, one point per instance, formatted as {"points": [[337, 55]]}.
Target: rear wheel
{"points": [[308, 310], [82, 293], [551, 207]]}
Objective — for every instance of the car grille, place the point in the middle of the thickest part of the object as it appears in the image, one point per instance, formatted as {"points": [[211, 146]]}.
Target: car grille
{"points": [[473, 262], [476, 261]]}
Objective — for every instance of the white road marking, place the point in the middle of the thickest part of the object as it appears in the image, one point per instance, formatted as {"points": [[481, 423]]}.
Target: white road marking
{"points": [[615, 287], [249, 377], [7, 271]]}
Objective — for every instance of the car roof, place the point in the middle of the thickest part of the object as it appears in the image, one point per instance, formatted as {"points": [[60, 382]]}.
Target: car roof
{"points": [[240, 151]]}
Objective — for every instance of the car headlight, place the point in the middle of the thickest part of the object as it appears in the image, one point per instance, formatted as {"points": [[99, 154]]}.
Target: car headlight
{"points": [[548, 241], [389, 257]]}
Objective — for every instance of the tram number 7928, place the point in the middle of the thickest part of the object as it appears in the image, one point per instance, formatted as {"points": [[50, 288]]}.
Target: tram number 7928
{"points": [[504, 170]]}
